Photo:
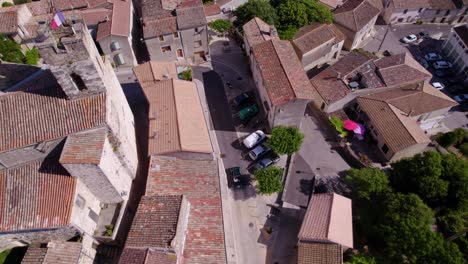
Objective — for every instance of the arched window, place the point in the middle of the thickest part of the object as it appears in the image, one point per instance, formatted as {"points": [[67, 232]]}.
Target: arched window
{"points": [[78, 82]]}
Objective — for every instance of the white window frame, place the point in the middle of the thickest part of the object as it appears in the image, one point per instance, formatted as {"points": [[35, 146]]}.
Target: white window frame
{"points": [[170, 49]]}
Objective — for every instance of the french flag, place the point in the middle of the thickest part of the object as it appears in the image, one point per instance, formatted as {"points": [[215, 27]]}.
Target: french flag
{"points": [[58, 20]]}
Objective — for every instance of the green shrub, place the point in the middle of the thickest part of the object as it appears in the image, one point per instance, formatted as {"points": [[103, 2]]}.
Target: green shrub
{"points": [[464, 149], [285, 140], [220, 25], [32, 56], [269, 180], [6, 4], [451, 138], [338, 124], [19, 2], [109, 230], [186, 75]]}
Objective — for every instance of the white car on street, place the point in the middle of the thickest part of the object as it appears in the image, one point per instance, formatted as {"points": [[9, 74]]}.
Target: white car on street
{"points": [[253, 139], [409, 39], [438, 85], [439, 65]]}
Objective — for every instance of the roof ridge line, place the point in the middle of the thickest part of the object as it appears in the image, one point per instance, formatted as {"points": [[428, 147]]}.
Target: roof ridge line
{"points": [[177, 113], [391, 106], [284, 70]]}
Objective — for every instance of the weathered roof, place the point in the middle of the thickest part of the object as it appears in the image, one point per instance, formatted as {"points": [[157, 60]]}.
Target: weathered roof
{"points": [[84, 148], [328, 219], [401, 69], [355, 14], [329, 83], [119, 23], [155, 222], [462, 32], [211, 9], [69, 4], [190, 17], [34, 255], [155, 71], [311, 36], [257, 31], [159, 27], [60, 252], [146, 256], [395, 127], [95, 15], [28, 118], [198, 181], [177, 122], [415, 99], [35, 195], [319, 253], [8, 20], [282, 74], [414, 4]]}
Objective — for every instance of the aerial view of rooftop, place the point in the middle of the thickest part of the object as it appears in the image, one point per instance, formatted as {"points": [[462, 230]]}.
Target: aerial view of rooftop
{"points": [[234, 131]]}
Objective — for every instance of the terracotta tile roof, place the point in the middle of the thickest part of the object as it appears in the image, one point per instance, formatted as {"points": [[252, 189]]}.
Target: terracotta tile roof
{"points": [[397, 129], [159, 27], [146, 256], [462, 32], [311, 36], [198, 181], [95, 16], [332, 4], [28, 118], [155, 71], [8, 20], [329, 83], [190, 17], [36, 195], [41, 7], [257, 31], [153, 10], [212, 9], [133, 256], [355, 14], [104, 30], [177, 122], [415, 99], [442, 4], [283, 77], [60, 252], [84, 148], [121, 15], [69, 4], [34, 255], [401, 69], [328, 219], [155, 222], [97, 3], [319, 253]]}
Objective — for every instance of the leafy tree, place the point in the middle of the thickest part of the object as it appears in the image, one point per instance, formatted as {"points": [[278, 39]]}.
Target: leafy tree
{"points": [[361, 259], [292, 13], [451, 138], [10, 51], [287, 33], [451, 222], [455, 171], [366, 183], [221, 25], [19, 2], [317, 11], [421, 175], [6, 4], [285, 140], [32, 56], [269, 180], [255, 8], [464, 149]]}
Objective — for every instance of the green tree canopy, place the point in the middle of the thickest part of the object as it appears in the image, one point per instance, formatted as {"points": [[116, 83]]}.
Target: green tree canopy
{"points": [[220, 25], [292, 13], [269, 180], [361, 259], [10, 51], [421, 174], [317, 11], [6, 4], [32, 56], [285, 140], [256, 8], [451, 222], [455, 171], [367, 183]]}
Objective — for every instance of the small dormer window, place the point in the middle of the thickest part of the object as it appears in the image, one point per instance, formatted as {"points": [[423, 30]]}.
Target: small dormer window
{"points": [[115, 46]]}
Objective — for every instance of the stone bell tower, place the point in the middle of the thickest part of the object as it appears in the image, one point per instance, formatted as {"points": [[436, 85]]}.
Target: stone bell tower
{"points": [[73, 58]]}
